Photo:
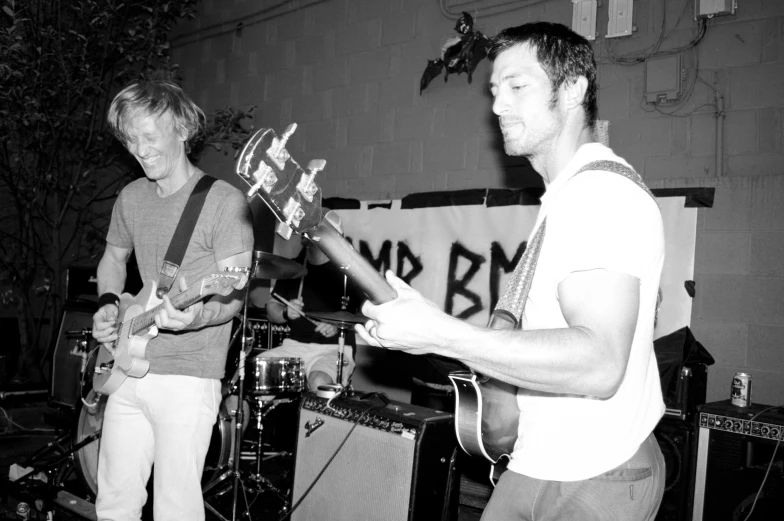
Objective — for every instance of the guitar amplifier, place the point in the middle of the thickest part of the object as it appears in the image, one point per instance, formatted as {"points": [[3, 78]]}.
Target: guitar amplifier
{"points": [[739, 471], [365, 459]]}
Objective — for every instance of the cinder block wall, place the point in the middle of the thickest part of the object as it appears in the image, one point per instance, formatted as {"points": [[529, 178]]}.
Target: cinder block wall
{"points": [[348, 71]]}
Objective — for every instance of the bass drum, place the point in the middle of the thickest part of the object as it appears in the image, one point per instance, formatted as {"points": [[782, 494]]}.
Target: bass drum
{"points": [[220, 455]]}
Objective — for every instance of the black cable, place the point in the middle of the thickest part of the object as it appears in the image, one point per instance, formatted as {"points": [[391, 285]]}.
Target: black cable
{"points": [[772, 458]]}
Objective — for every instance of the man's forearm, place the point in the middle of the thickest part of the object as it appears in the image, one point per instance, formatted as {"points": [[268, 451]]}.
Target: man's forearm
{"points": [[218, 311]]}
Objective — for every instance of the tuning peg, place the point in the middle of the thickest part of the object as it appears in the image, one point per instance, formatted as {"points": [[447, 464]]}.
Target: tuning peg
{"points": [[307, 186]]}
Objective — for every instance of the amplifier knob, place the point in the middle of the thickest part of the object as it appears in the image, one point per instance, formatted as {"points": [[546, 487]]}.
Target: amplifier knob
{"points": [[774, 433], [764, 431], [736, 426]]}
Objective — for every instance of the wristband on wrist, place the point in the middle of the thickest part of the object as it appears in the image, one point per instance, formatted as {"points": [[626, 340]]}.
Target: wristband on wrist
{"points": [[108, 298], [286, 312]]}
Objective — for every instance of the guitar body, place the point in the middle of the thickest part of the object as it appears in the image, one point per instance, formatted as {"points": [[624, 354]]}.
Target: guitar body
{"points": [[128, 359], [136, 327], [486, 415]]}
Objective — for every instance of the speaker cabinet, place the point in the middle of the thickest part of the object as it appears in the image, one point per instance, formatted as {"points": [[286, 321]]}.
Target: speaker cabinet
{"points": [[676, 440], [74, 344], [364, 460], [735, 455]]}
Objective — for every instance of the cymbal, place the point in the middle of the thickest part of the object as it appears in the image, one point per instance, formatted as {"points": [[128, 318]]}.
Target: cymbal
{"points": [[340, 318], [271, 266]]}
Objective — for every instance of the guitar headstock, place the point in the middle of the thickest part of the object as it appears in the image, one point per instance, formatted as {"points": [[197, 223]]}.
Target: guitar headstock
{"points": [[287, 189], [220, 283]]}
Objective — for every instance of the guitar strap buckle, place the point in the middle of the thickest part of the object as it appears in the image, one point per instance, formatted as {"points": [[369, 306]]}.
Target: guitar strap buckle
{"points": [[166, 278]]}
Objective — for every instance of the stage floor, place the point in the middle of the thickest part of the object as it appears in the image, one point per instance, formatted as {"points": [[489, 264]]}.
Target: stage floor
{"points": [[31, 428]]}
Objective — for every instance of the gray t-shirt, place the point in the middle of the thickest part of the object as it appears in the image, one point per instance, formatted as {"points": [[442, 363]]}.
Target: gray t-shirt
{"points": [[145, 222]]}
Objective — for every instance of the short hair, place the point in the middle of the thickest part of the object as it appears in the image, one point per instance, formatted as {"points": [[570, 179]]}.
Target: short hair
{"points": [[563, 54], [154, 97]]}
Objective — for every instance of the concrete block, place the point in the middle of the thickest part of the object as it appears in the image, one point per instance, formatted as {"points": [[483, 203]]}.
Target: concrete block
{"points": [[363, 129], [350, 100], [373, 188], [368, 10], [722, 253], [387, 119], [650, 138], [743, 299], [310, 50], [284, 83], [465, 180], [328, 16], [731, 207], [727, 342], [770, 131], [220, 71], [330, 74], [398, 92], [290, 26], [311, 108], [772, 41], [741, 131], [406, 184], [370, 65], [766, 347], [758, 86], [319, 136], [754, 165], [391, 159], [731, 45], [720, 381], [417, 151], [767, 203], [442, 154], [344, 163], [398, 27], [614, 100], [356, 38], [660, 168], [767, 254], [412, 123]]}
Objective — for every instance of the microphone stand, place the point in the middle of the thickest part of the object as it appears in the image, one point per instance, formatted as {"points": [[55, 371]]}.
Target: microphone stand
{"points": [[241, 394]]}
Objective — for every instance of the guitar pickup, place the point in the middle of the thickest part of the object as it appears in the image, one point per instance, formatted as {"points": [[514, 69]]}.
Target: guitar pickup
{"points": [[307, 186]]}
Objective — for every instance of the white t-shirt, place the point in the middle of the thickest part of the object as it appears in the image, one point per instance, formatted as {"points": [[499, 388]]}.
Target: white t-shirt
{"points": [[595, 220]]}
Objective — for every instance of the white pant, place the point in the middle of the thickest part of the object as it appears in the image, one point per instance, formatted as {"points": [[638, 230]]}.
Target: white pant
{"points": [[167, 419]]}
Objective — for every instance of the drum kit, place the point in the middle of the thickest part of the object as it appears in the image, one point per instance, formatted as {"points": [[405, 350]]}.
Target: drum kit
{"points": [[271, 382]]}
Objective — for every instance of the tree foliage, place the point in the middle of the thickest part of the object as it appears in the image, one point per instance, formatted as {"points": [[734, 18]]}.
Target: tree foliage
{"points": [[61, 61]]}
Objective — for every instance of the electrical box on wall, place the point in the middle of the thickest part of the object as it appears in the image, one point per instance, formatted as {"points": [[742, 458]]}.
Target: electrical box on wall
{"points": [[663, 79], [584, 18], [619, 18], [711, 8]]}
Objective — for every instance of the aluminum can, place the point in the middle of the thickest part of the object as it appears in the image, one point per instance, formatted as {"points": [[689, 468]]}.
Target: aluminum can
{"points": [[740, 394], [22, 510]]}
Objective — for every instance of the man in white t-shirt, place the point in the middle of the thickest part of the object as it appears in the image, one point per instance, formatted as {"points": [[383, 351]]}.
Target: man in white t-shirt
{"points": [[582, 358]]}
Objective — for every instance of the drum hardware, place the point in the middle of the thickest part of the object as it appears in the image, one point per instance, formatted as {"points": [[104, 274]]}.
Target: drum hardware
{"points": [[269, 376], [270, 266]]}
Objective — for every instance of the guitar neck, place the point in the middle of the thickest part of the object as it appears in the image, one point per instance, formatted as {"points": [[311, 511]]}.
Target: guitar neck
{"points": [[327, 239], [179, 301]]}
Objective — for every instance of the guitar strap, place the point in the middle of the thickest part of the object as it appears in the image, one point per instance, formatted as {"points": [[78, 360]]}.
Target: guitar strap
{"points": [[182, 235], [508, 313]]}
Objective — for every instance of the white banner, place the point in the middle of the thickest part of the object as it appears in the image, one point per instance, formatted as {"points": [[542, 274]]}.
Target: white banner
{"points": [[461, 256]]}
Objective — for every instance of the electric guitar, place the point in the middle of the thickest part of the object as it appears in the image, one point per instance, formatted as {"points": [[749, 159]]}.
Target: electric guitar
{"points": [[137, 328], [486, 414]]}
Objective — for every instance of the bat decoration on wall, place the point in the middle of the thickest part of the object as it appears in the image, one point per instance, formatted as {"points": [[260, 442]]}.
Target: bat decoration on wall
{"points": [[459, 54]]}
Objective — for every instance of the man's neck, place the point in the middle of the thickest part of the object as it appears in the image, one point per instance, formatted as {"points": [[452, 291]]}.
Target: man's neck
{"points": [[178, 178], [552, 163]]}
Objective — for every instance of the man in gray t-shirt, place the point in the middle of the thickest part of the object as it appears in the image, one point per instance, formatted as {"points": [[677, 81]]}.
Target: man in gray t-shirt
{"points": [[165, 416]]}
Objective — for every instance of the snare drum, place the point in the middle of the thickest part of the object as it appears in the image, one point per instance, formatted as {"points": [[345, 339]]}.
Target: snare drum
{"points": [[276, 375]]}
